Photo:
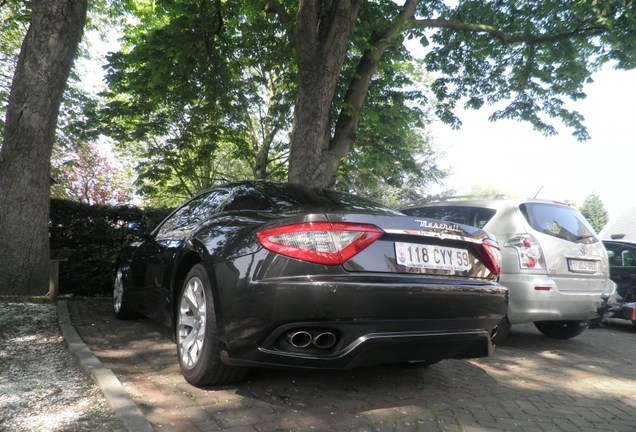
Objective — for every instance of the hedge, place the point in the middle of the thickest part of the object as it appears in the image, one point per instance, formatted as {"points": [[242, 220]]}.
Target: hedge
{"points": [[93, 235]]}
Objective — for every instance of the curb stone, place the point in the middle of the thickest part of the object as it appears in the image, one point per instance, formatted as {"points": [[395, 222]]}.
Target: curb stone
{"points": [[119, 400]]}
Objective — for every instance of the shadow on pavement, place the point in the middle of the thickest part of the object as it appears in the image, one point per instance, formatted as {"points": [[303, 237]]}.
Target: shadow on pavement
{"points": [[531, 380]]}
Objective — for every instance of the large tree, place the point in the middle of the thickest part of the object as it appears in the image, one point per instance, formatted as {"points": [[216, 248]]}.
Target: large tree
{"points": [[43, 67], [530, 53], [226, 102], [232, 82]]}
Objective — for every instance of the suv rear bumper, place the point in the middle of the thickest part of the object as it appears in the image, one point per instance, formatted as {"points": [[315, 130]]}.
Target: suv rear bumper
{"points": [[528, 304]]}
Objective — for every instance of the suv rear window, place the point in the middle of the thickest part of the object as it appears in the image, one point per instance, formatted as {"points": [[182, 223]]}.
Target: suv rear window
{"points": [[558, 221], [473, 216]]}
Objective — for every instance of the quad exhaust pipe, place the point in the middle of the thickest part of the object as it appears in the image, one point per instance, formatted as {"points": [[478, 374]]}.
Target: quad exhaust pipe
{"points": [[324, 340], [299, 338], [319, 339]]}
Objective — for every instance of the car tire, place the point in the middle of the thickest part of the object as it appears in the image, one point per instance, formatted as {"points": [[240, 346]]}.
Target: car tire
{"points": [[121, 307], [560, 329], [503, 329], [197, 335]]}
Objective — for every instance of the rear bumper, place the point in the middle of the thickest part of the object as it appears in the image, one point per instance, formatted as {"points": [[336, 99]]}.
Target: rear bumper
{"points": [[371, 319], [528, 304], [377, 348]]}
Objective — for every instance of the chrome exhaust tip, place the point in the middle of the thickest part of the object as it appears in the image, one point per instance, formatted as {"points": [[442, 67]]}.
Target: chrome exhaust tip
{"points": [[494, 332], [324, 340], [299, 338]]}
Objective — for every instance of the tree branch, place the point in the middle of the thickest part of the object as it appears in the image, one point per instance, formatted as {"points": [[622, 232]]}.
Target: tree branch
{"points": [[344, 137], [274, 6], [503, 36]]}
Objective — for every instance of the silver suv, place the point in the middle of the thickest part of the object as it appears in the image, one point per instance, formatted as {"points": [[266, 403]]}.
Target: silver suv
{"points": [[553, 263]]}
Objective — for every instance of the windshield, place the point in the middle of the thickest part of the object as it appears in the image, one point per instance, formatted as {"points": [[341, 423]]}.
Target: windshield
{"points": [[559, 221]]}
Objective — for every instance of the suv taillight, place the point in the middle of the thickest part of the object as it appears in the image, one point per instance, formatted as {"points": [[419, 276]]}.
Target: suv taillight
{"points": [[319, 242], [529, 251]]}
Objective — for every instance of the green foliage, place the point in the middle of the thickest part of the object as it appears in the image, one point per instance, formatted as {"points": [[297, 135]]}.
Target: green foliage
{"points": [[393, 160], [196, 112], [486, 190], [392, 165], [594, 211], [531, 53], [197, 95], [571, 203], [88, 175], [203, 92], [94, 235]]}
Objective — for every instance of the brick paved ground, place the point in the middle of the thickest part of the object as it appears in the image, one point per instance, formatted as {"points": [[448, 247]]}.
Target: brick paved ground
{"points": [[531, 383]]}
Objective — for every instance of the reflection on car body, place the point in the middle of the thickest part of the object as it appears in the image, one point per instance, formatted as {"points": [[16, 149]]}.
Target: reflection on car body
{"points": [[269, 274]]}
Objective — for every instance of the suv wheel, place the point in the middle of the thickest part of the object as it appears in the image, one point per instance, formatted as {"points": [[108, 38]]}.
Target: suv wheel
{"points": [[121, 307], [560, 329]]}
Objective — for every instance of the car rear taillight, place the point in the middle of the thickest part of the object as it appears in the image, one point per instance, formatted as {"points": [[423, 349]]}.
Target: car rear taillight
{"points": [[529, 251], [319, 242], [492, 256]]}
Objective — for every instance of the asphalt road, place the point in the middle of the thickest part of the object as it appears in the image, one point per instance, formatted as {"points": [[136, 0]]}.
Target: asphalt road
{"points": [[531, 383]]}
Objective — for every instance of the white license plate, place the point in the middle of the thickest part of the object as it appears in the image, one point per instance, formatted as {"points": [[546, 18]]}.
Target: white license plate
{"points": [[582, 266], [431, 257]]}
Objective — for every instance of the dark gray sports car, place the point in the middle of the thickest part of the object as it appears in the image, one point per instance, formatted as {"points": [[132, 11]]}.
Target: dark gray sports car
{"points": [[280, 275]]}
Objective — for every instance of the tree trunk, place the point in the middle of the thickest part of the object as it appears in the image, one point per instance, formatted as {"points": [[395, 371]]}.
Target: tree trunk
{"points": [[322, 36], [38, 85]]}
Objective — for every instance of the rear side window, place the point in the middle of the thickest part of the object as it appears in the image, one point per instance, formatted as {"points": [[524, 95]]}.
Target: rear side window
{"points": [[191, 213], [450, 214], [558, 221], [620, 256], [473, 216]]}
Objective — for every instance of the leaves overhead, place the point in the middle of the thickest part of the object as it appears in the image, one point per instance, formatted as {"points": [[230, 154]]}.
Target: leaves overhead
{"points": [[197, 82], [202, 98], [198, 95], [529, 56]]}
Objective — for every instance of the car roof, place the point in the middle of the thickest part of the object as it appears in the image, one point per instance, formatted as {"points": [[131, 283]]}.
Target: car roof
{"points": [[490, 201]]}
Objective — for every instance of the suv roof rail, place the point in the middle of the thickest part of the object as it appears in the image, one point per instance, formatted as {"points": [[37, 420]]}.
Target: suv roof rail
{"points": [[470, 197]]}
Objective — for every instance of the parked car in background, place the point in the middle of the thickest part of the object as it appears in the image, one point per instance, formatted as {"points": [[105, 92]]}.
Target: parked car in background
{"points": [[270, 274], [622, 262], [552, 261]]}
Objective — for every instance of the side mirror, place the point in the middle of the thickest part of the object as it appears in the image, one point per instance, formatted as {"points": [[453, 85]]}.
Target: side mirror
{"points": [[138, 228]]}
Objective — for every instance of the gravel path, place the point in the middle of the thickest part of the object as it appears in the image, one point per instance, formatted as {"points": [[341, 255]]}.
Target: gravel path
{"points": [[42, 387]]}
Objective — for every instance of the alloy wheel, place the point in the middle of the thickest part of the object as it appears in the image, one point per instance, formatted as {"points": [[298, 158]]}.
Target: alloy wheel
{"points": [[191, 323], [118, 292]]}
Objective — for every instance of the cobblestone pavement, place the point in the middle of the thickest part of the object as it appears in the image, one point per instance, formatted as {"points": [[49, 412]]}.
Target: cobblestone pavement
{"points": [[531, 383]]}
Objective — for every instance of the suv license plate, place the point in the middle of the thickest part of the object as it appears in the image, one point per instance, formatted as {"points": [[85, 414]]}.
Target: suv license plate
{"points": [[431, 257], [582, 266]]}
